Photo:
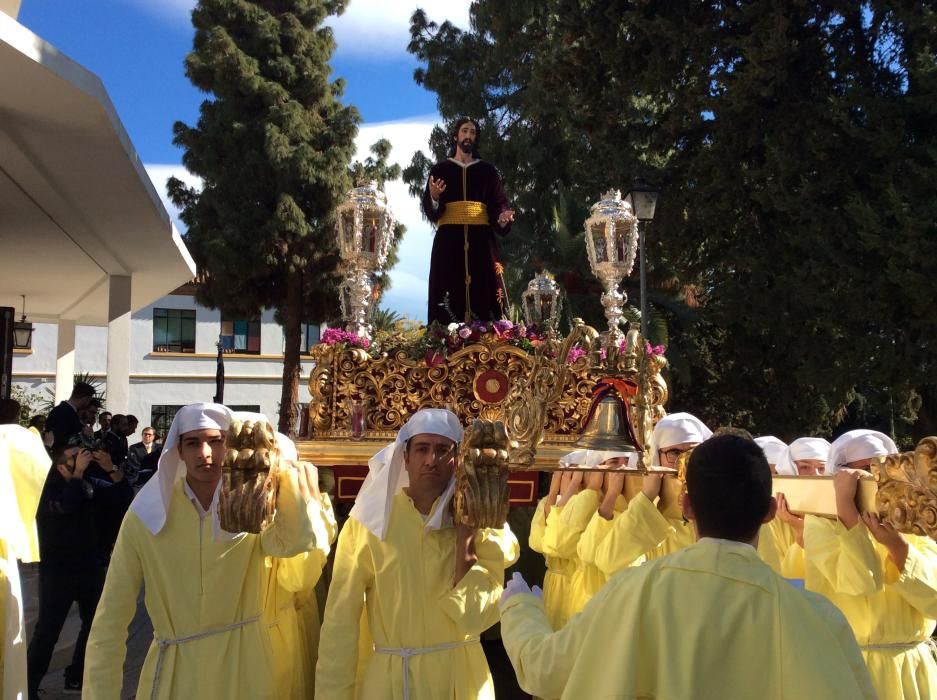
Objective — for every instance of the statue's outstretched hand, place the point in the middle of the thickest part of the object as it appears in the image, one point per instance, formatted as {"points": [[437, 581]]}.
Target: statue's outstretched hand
{"points": [[505, 217], [436, 187]]}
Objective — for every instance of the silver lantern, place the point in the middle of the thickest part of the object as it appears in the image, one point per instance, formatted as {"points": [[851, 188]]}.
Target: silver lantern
{"points": [[542, 303], [365, 229], [611, 242]]}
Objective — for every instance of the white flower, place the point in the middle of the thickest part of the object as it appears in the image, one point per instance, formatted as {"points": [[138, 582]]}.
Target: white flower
{"points": [[452, 328]]}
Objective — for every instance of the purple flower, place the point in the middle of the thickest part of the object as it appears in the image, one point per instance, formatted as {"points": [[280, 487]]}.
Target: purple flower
{"points": [[465, 332], [575, 353]]}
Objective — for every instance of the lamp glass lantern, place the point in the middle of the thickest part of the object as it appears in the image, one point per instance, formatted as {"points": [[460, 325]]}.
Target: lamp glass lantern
{"points": [[22, 331], [643, 199], [541, 302], [611, 237], [365, 227]]}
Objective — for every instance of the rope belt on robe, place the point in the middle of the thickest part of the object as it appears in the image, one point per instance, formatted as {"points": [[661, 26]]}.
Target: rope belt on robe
{"points": [[466, 213], [902, 646], [163, 644], [406, 652]]}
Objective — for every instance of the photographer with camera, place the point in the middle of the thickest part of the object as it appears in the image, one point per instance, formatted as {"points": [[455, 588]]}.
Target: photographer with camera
{"points": [[73, 553]]}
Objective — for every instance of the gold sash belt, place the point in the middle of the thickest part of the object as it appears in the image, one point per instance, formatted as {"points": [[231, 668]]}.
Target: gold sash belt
{"points": [[469, 213]]}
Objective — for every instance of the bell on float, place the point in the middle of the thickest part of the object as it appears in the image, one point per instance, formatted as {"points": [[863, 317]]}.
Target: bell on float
{"points": [[606, 428]]}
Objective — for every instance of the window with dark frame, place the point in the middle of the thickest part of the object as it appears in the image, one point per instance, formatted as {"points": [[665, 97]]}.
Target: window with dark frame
{"points": [[311, 335], [174, 330], [161, 418], [240, 336]]}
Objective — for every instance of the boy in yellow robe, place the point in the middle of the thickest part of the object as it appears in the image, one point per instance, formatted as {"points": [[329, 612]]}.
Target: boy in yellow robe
{"points": [[429, 588], [556, 580], [24, 465], [710, 621], [641, 530], [884, 582], [204, 587], [290, 588]]}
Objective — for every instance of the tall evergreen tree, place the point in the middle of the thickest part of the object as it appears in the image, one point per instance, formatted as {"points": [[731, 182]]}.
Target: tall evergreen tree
{"points": [[272, 147], [797, 143]]}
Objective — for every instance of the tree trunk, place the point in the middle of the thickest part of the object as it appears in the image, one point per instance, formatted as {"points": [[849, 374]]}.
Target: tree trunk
{"points": [[292, 327]]}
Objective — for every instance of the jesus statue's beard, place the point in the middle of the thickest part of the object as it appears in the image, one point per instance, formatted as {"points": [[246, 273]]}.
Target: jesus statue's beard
{"points": [[466, 146]]}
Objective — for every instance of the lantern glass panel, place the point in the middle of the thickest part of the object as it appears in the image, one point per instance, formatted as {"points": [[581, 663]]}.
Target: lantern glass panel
{"points": [[372, 217], [546, 309], [347, 229], [601, 245]]}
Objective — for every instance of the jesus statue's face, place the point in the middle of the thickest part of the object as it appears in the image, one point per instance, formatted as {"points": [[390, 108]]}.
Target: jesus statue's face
{"points": [[466, 137]]}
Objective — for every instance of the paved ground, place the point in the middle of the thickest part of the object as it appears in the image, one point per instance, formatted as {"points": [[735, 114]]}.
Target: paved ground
{"points": [[141, 633]]}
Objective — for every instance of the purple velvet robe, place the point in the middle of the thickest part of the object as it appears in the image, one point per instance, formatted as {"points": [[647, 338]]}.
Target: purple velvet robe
{"points": [[447, 264]]}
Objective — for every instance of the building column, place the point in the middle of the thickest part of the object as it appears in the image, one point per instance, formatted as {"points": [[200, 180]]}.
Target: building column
{"points": [[64, 361], [118, 344]]}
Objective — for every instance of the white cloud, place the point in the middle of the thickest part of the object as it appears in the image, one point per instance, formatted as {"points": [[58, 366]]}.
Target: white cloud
{"points": [[379, 27], [159, 173], [372, 28], [408, 291]]}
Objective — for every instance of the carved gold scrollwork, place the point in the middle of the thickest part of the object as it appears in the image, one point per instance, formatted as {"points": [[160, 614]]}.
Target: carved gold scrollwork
{"points": [[907, 489], [546, 397]]}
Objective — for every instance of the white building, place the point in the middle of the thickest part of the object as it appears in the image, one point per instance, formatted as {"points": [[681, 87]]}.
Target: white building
{"points": [[173, 360]]}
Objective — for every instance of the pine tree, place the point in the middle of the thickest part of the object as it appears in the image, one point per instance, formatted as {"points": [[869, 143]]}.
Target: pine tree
{"points": [[272, 147], [795, 140]]}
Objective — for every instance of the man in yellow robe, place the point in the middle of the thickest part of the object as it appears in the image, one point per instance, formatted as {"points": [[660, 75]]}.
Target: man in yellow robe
{"points": [[558, 576], [709, 621], [567, 534], [428, 588], [884, 582], [641, 530], [24, 465], [204, 587], [289, 590]]}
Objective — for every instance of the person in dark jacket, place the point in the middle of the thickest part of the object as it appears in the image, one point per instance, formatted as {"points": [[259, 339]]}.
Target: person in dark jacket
{"points": [[63, 420], [73, 553]]}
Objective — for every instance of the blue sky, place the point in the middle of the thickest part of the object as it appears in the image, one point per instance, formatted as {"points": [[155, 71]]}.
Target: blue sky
{"points": [[137, 48]]}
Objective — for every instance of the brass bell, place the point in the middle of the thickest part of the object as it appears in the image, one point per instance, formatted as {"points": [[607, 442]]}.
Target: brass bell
{"points": [[607, 429]]}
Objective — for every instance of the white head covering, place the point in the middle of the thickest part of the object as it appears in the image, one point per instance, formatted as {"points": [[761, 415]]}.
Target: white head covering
{"points": [[856, 445], [772, 447], [593, 458], [387, 474], [152, 503], [676, 429], [802, 448]]}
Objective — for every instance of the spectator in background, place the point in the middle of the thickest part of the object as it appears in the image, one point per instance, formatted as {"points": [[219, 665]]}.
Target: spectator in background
{"points": [[132, 424], [37, 424], [105, 422], [115, 439], [144, 456], [63, 420], [73, 554]]}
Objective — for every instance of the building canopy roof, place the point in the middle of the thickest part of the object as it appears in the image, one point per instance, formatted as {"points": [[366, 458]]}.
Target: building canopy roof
{"points": [[76, 205]]}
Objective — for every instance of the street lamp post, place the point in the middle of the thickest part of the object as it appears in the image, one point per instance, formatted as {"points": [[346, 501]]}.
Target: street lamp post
{"points": [[643, 200]]}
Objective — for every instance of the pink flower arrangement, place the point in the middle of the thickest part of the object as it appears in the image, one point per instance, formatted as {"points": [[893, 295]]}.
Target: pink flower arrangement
{"points": [[654, 349], [575, 353], [335, 336]]}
